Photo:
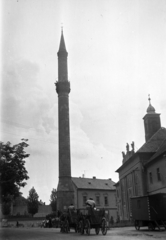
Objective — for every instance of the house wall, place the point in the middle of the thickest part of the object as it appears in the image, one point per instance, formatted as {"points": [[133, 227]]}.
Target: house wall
{"points": [[20, 211], [118, 201], [134, 180], [43, 210], [157, 185], [75, 197], [111, 205], [130, 184]]}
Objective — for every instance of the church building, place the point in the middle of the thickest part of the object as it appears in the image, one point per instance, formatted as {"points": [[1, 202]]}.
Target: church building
{"points": [[143, 172]]}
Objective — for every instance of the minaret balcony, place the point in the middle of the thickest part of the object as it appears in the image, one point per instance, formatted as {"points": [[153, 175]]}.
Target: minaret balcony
{"points": [[62, 87]]}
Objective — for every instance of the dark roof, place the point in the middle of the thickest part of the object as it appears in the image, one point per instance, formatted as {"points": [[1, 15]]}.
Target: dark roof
{"points": [[19, 201], [116, 184], [153, 144], [93, 183], [160, 151]]}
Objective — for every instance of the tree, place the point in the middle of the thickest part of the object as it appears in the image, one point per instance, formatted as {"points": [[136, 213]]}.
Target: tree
{"points": [[33, 202], [6, 206], [53, 200], [12, 170]]}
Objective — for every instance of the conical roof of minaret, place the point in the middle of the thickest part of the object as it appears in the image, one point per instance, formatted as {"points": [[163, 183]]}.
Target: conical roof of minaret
{"points": [[62, 47]]}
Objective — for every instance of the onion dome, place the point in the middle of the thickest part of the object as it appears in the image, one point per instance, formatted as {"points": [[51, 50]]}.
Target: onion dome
{"points": [[150, 108]]}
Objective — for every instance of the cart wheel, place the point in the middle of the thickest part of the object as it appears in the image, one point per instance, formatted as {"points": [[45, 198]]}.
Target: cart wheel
{"points": [[81, 227], [151, 226], [66, 226], [62, 229], [87, 227], [137, 225], [76, 228], [104, 227], [97, 230]]}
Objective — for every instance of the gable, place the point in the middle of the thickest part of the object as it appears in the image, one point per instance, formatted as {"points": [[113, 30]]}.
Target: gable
{"points": [[149, 148]]}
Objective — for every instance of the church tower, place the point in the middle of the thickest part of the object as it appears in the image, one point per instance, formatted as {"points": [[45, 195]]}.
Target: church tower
{"points": [[65, 192], [151, 121]]}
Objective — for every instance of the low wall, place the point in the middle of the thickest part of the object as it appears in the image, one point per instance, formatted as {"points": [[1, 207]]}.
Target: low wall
{"points": [[122, 224], [36, 222], [24, 222]]}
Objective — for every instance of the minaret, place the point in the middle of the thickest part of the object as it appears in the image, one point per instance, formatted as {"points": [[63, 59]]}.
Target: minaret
{"points": [[151, 121], [65, 193]]}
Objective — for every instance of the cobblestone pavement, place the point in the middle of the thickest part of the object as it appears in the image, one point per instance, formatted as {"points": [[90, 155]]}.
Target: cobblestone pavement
{"points": [[52, 233]]}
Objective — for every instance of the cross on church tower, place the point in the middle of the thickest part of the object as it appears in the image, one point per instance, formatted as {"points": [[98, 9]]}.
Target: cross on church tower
{"points": [[151, 121]]}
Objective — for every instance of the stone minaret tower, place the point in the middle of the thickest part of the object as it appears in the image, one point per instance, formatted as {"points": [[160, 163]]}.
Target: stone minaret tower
{"points": [[151, 121], [65, 193]]}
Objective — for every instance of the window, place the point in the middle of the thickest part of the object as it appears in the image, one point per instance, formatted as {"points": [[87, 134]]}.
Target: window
{"points": [[106, 200], [84, 200], [117, 193], [150, 178], [158, 174], [130, 192], [97, 200]]}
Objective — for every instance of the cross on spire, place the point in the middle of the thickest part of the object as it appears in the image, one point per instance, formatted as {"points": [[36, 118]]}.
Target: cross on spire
{"points": [[149, 99], [150, 109]]}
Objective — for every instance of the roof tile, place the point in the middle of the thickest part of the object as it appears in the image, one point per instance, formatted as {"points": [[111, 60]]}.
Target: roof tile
{"points": [[153, 144], [93, 183]]}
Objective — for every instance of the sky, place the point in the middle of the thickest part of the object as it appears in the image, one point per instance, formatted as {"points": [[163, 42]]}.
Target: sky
{"points": [[116, 57]]}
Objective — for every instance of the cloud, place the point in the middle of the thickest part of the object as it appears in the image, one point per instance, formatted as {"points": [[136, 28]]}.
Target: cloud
{"points": [[114, 62], [28, 112], [89, 157], [23, 99]]}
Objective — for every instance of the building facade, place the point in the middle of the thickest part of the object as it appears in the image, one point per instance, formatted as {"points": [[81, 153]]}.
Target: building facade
{"points": [[143, 172], [156, 171], [102, 191], [19, 208]]}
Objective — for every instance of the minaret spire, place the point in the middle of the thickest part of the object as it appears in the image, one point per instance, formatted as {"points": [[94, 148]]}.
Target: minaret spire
{"points": [[62, 46], [62, 60]]}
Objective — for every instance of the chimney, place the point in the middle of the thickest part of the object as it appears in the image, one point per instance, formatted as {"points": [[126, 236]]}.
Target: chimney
{"points": [[94, 177]]}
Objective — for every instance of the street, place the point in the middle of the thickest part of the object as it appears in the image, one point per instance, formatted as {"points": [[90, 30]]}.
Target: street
{"points": [[53, 233]]}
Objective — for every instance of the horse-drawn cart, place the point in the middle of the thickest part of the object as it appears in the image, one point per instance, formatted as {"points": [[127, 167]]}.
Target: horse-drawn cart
{"points": [[69, 220], [92, 218], [149, 211]]}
